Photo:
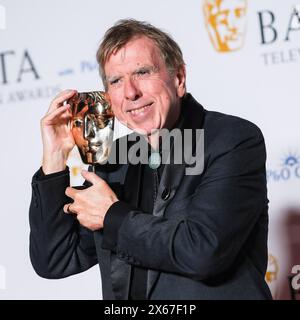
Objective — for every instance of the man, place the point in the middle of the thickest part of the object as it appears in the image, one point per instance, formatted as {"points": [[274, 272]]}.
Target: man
{"points": [[156, 233]]}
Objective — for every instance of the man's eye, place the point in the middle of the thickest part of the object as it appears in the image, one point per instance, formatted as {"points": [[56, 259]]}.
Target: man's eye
{"points": [[143, 72], [115, 81], [77, 123]]}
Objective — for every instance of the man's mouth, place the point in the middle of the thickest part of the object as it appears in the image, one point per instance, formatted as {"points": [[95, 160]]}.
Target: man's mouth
{"points": [[139, 110]]}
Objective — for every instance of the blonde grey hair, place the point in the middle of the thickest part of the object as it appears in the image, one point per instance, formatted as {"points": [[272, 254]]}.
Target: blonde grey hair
{"points": [[125, 30]]}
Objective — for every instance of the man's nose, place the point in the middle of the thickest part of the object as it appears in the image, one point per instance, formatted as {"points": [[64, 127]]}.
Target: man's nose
{"points": [[131, 90]]}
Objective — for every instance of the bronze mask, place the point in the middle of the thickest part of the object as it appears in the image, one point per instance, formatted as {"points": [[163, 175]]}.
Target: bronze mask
{"points": [[92, 125]]}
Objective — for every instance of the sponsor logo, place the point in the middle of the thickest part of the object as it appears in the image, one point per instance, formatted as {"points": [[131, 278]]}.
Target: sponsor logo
{"points": [[84, 67], [289, 169]]}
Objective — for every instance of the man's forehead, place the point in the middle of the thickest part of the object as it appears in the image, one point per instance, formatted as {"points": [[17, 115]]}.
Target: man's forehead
{"points": [[137, 51]]}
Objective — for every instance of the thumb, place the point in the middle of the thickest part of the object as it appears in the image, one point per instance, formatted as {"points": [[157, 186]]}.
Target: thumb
{"points": [[91, 177]]}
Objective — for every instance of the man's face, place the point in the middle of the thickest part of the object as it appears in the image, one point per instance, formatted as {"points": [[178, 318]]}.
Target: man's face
{"points": [[226, 23], [143, 95]]}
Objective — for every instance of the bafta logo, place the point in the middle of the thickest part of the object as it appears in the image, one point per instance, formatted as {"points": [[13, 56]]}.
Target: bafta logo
{"points": [[225, 21]]}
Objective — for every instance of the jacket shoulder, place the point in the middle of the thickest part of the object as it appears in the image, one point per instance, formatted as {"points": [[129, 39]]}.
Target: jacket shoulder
{"points": [[229, 128]]}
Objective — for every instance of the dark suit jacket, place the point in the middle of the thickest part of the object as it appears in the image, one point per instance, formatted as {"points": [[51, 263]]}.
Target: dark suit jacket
{"points": [[207, 239]]}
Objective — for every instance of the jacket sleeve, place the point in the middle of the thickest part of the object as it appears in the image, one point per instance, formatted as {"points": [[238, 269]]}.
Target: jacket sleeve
{"points": [[59, 246], [206, 238]]}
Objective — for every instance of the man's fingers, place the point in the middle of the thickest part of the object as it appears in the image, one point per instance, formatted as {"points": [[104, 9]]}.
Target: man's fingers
{"points": [[60, 98], [71, 192], [68, 209], [91, 177], [91, 222], [63, 112]]}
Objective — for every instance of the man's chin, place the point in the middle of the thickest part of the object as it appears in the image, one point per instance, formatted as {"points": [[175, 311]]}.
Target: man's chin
{"points": [[144, 131]]}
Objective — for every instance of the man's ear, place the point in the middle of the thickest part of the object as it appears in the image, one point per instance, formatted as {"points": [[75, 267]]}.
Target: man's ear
{"points": [[180, 81]]}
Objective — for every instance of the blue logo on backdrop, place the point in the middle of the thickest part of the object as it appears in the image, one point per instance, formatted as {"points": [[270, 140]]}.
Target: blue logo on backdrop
{"points": [[84, 66], [289, 169]]}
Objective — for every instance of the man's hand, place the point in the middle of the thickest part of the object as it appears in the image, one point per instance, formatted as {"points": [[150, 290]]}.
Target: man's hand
{"points": [[90, 205], [56, 133]]}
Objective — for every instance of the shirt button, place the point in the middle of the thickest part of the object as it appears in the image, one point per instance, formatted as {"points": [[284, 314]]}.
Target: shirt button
{"points": [[166, 194]]}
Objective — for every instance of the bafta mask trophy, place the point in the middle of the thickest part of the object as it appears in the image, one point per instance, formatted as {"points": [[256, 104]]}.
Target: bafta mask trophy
{"points": [[92, 126], [225, 21]]}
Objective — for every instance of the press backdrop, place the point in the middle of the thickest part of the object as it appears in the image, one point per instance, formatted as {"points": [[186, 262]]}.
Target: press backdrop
{"points": [[47, 46]]}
